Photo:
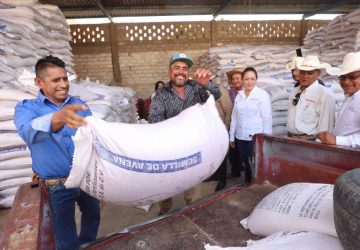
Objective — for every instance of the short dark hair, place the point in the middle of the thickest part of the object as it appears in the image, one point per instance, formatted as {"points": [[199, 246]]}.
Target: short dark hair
{"points": [[48, 61], [157, 84], [250, 69]]}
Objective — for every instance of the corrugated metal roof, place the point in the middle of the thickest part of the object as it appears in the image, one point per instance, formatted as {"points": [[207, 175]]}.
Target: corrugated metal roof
{"points": [[103, 8]]}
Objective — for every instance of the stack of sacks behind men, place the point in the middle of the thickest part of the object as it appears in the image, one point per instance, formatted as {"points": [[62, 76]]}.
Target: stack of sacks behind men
{"points": [[330, 42], [28, 33]]}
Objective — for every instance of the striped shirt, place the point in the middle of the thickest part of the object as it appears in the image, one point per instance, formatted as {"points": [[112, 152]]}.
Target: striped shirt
{"points": [[167, 103]]}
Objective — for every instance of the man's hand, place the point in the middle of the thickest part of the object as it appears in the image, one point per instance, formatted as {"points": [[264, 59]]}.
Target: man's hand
{"points": [[232, 144], [327, 138], [67, 116], [202, 76]]}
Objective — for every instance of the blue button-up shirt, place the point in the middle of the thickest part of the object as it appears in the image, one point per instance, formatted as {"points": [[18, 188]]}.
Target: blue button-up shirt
{"points": [[51, 152]]}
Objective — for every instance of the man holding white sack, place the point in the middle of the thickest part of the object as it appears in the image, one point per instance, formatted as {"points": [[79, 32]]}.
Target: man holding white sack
{"points": [[177, 95], [311, 107], [347, 126], [46, 124]]}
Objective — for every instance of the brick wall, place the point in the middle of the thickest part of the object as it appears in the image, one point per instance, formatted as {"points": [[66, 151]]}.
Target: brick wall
{"points": [[140, 70], [95, 66], [143, 50]]}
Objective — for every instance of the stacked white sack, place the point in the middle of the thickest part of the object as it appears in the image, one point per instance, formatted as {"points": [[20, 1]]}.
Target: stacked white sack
{"points": [[332, 42], [110, 164], [285, 240], [106, 102], [269, 61], [28, 33], [112, 103], [15, 158]]}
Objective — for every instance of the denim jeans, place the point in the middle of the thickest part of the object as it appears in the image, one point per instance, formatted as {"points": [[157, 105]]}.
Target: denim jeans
{"points": [[62, 203], [246, 151]]}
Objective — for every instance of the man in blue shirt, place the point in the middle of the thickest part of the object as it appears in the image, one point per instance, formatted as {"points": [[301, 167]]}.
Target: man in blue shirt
{"points": [[47, 124]]}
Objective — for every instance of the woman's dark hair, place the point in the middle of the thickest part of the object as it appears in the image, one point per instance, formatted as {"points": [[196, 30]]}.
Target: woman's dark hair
{"points": [[157, 84], [249, 69]]}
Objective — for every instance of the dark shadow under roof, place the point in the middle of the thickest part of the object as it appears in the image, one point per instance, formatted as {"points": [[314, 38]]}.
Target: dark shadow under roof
{"points": [[118, 8]]}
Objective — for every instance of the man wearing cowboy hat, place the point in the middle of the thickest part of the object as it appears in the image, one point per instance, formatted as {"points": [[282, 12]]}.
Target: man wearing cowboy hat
{"points": [[235, 82], [295, 72], [347, 126], [311, 107]]}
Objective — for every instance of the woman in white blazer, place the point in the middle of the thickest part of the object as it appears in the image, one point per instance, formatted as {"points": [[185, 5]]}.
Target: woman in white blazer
{"points": [[251, 115]]}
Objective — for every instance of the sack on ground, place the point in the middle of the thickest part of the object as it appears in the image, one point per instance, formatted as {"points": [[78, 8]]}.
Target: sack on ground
{"points": [[139, 164], [289, 240], [296, 206]]}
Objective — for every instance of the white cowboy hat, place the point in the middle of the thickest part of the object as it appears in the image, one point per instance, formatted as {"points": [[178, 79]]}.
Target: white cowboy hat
{"points": [[311, 63], [295, 61], [350, 64]]}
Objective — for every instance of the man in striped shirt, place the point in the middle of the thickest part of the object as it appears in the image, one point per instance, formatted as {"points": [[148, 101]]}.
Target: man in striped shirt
{"points": [[179, 94]]}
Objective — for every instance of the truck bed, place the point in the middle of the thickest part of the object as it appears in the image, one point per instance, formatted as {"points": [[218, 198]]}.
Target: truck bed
{"points": [[214, 220]]}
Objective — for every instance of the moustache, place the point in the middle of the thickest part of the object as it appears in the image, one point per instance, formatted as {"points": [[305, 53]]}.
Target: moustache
{"points": [[182, 75]]}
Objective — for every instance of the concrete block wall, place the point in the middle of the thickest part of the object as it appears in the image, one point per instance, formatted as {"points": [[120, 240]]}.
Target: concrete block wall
{"points": [[95, 66], [142, 63], [140, 70]]}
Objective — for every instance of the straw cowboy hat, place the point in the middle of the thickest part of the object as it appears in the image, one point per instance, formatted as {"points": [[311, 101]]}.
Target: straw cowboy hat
{"points": [[350, 64], [295, 61], [310, 63], [233, 71]]}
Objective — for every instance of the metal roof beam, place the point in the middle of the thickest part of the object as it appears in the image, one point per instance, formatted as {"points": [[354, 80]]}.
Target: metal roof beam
{"points": [[223, 6], [101, 7], [325, 9]]}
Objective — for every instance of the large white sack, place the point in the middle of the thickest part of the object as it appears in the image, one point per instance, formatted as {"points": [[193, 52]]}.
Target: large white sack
{"points": [[139, 164], [9, 191], [9, 183], [11, 140], [5, 77], [296, 206], [27, 80], [7, 202], [13, 152], [289, 241], [10, 174], [16, 163], [14, 94], [81, 92], [7, 109]]}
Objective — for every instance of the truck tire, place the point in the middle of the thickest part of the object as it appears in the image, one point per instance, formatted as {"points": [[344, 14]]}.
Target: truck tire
{"points": [[347, 209]]}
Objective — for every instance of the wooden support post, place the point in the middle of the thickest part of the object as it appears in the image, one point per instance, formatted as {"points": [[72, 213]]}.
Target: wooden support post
{"points": [[115, 54], [213, 34], [303, 29]]}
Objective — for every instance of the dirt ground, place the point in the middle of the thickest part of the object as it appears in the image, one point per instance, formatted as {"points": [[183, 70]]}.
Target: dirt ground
{"points": [[114, 217]]}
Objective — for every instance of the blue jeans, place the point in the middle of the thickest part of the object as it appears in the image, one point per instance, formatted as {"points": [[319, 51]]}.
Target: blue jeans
{"points": [[246, 151], [62, 203]]}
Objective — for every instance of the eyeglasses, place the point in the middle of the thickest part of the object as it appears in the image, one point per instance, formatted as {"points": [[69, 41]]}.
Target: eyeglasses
{"points": [[351, 77], [296, 99]]}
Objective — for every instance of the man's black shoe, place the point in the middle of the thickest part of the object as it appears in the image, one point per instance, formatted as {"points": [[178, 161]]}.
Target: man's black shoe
{"points": [[211, 178], [235, 175], [221, 185]]}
